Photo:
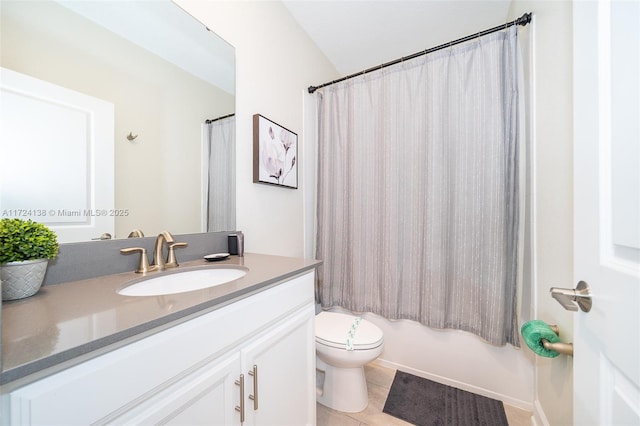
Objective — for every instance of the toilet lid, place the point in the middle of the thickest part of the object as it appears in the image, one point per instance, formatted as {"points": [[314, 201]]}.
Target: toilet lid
{"points": [[333, 329]]}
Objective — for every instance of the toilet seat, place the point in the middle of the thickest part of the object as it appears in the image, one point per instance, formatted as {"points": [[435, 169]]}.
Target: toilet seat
{"points": [[332, 329]]}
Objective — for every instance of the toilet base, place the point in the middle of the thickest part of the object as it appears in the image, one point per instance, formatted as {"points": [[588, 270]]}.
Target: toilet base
{"points": [[344, 389]]}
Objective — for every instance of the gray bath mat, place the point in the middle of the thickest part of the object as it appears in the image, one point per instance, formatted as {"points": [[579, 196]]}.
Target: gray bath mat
{"points": [[426, 403]]}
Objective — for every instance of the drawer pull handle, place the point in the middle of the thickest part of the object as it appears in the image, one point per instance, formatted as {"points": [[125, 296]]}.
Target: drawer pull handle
{"points": [[240, 408], [254, 397]]}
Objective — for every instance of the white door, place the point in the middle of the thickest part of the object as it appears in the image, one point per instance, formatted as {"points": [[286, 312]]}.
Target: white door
{"points": [[607, 211], [57, 157]]}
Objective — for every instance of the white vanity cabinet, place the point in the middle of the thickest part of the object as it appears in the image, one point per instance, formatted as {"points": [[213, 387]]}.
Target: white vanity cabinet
{"points": [[192, 372]]}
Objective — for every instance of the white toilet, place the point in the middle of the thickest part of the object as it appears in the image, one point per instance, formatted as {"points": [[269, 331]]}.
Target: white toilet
{"points": [[344, 344]]}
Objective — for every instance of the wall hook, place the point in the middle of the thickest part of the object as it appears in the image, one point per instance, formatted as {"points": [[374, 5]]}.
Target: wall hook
{"points": [[131, 136]]}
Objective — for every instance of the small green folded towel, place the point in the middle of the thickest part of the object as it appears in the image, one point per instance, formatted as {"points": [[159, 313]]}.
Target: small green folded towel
{"points": [[533, 332]]}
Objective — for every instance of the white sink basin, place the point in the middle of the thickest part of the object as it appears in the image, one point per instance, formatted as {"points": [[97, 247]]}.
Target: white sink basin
{"points": [[181, 282]]}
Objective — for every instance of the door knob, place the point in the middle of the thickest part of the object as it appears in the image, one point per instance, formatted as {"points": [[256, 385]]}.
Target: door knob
{"points": [[573, 298]]}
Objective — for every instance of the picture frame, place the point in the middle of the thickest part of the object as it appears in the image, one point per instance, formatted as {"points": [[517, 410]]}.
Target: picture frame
{"points": [[275, 153]]}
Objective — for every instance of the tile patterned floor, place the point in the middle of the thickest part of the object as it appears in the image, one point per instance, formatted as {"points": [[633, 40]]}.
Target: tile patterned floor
{"points": [[379, 381]]}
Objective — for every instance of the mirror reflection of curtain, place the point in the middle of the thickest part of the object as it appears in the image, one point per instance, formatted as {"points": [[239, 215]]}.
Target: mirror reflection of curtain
{"points": [[419, 200], [221, 183]]}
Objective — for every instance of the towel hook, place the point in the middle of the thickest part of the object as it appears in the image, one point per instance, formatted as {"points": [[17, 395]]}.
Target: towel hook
{"points": [[131, 136]]}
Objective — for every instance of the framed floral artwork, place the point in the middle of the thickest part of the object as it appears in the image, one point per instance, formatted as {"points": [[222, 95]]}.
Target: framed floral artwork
{"points": [[275, 153]]}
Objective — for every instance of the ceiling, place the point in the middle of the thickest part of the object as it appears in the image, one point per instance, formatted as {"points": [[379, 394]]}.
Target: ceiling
{"points": [[357, 34]]}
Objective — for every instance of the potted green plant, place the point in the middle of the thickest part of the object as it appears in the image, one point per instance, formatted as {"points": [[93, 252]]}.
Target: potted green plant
{"points": [[25, 249]]}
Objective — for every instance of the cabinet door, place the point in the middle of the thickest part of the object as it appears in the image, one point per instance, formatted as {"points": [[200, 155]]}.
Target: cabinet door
{"points": [[282, 392], [206, 396]]}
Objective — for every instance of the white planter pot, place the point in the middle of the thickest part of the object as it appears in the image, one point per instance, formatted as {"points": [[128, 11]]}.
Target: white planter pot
{"points": [[22, 279]]}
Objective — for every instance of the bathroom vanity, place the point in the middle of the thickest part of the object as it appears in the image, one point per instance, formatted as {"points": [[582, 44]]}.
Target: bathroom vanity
{"points": [[240, 352]]}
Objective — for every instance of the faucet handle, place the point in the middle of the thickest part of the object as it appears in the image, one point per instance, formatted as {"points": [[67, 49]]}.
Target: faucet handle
{"points": [[143, 263], [172, 262]]}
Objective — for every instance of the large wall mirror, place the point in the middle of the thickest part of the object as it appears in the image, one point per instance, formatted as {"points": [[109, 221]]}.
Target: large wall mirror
{"points": [[169, 80]]}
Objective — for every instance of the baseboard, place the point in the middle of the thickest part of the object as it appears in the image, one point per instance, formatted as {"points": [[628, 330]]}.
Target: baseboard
{"points": [[538, 418], [460, 385]]}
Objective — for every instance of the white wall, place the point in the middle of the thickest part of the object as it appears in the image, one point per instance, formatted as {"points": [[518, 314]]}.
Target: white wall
{"points": [[275, 63], [553, 201]]}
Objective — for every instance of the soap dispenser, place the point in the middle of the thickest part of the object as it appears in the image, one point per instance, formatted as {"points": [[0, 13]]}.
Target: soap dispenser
{"points": [[236, 243]]}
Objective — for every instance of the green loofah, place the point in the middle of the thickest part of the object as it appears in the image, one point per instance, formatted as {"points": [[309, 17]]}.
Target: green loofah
{"points": [[533, 332]]}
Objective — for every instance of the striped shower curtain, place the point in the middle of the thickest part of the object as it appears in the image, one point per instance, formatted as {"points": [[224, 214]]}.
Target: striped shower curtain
{"points": [[420, 190], [221, 182]]}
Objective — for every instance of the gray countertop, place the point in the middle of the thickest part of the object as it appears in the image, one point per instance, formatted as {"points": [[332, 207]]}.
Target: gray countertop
{"points": [[70, 321]]}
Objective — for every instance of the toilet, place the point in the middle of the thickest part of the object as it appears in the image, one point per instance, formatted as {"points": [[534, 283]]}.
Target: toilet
{"points": [[344, 344]]}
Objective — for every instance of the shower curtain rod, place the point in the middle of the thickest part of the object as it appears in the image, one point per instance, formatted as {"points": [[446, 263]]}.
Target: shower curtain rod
{"points": [[523, 20], [219, 118]]}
